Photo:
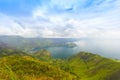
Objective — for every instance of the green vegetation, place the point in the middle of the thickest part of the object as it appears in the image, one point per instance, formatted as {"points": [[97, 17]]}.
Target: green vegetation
{"points": [[89, 66], [25, 68], [43, 55], [17, 65], [9, 51]]}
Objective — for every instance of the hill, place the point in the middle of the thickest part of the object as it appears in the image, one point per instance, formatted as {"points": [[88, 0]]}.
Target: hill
{"points": [[40, 65], [10, 51], [43, 55], [42, 52], [88, 66], [28, 68], [34, 44]]}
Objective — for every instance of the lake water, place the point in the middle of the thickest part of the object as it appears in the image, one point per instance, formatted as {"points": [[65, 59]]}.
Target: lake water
{"points": [[107, 48], [62, 52]]}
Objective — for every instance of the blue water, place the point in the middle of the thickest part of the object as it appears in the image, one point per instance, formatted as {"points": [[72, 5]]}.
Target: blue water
{"points": [[62, 52], [106, 48]]}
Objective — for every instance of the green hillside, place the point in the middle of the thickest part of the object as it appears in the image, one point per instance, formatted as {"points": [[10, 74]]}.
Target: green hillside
{"points": [[9, 51], [43, 55], [88, 66], [17, 65], [28, 68]]}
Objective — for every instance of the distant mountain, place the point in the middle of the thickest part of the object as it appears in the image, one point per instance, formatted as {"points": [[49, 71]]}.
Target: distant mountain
{"points": [[34, 44]]}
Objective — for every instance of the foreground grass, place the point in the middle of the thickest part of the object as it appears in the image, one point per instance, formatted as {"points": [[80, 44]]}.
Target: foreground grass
{"points": [[28, 68]]}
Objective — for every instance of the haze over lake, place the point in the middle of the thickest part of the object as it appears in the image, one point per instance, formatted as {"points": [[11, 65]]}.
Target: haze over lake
{"points": [[107, 48]]}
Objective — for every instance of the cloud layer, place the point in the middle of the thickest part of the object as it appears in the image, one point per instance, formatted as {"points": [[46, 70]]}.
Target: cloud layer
{"points": [[56, 18]]}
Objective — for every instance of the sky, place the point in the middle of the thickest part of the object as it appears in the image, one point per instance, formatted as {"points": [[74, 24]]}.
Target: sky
{"points": [[96, 19]]}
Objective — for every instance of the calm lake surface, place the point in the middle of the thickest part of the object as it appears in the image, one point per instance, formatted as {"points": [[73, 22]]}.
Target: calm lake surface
{"points": [[106, 48], [62, 52], [109, 48]]}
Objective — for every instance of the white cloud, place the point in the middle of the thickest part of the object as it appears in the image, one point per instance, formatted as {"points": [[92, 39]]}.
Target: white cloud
{"points": [[8, 26], [47, 22]]}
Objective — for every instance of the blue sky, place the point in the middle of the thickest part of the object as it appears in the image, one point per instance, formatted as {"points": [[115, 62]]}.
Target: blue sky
{"points": [[57, 18]]}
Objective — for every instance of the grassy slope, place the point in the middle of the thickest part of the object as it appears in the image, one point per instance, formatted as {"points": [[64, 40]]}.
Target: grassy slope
{"points": [[89, 66], [28, 68], [16, 65]]}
